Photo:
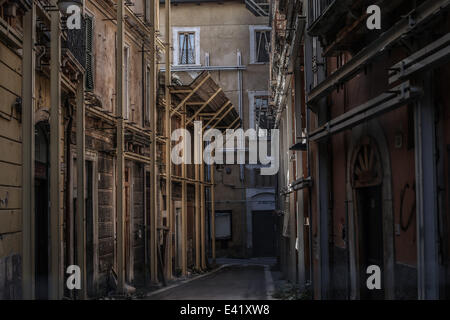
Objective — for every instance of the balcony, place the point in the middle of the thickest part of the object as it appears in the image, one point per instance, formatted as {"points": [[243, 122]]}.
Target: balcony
{"points": [[259, 8], [326, 15], [317, 8], [340, 24]]}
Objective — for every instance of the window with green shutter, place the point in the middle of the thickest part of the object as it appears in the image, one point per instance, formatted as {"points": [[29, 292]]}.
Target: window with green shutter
{"points": [[89, 53]]}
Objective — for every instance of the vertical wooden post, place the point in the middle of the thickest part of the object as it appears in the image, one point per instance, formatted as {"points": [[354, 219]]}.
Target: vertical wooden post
{"points": [[202, 212], [213, 214], [184, 199], [197, 132], [120, 196], [153, 125], [168, 82], [55, 156], [81, 179], [28, 89]]}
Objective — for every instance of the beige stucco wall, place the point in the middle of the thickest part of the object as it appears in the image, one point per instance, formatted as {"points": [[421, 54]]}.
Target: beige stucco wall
{"points": [[225, 30]]}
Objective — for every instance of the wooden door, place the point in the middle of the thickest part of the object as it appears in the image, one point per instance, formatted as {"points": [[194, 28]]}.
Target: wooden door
{"points": [[127, 224], [371, 237]]}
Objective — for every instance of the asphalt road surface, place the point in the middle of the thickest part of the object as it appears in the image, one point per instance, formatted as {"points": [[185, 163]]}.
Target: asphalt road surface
{"points": [[242, 282]]}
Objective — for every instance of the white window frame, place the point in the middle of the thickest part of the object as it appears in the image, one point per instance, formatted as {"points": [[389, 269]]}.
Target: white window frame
{"points": [[253, 30], [176, 45], [251, 102]]}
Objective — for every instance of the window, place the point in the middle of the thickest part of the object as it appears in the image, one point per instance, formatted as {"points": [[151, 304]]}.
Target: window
{"points": [[261, 115], [223, 225], [89, 80], [262, 46], [126, 60], [186, 45], [259, 44]]}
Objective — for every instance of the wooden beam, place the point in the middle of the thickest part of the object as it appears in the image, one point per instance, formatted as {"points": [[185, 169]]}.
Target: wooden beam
{"points": [[221, 117], [180, 91], [192, 92], [197, 217], [202, 214], [213, 213], [184, 202], [217, 114], [204, 105], [233, 123]]}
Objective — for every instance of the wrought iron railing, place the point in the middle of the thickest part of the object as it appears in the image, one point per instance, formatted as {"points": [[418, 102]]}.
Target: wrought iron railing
{"points": [[317, 8], [258, 7]]}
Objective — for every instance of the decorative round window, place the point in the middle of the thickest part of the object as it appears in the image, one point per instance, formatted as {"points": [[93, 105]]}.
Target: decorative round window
{"points": [[366, 169]]}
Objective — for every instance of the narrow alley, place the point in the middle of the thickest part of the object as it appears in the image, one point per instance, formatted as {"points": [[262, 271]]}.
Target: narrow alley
{"points": [[224, 149], [240, 280]]}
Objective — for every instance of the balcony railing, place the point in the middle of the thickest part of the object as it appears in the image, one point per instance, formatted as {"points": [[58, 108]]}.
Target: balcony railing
{"points": [[258, 7], [317, 8]]}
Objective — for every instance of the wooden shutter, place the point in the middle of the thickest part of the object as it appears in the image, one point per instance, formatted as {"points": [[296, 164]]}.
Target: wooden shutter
{"points": [[89, 54]]}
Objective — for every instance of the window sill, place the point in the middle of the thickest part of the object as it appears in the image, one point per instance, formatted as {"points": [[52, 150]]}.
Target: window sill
{"points": [[186, 65]]}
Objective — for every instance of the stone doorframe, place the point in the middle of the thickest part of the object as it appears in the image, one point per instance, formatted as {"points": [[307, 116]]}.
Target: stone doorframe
{"points": [[372, 129]]}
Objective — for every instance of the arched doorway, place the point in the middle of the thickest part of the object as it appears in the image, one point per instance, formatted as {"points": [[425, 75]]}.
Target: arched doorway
{"points": [[41, 190], [366, 179]]}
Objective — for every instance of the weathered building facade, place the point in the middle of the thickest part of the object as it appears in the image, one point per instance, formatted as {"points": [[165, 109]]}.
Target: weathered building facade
{"points": [[230, 40], [363, 116], [86, 176]]}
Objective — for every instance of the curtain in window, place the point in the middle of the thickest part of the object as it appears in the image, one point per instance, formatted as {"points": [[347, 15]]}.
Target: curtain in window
{"points": [[262, 46], [187, 48]]}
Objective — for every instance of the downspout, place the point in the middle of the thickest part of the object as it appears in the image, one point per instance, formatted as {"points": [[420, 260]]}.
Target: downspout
{"points": [[240, 99], [244, 221]]}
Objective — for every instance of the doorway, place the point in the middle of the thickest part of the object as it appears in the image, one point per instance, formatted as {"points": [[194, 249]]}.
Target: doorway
{"points": [[264, 233], [41, 210], [127, 186], [370, 237], [90, 222]]}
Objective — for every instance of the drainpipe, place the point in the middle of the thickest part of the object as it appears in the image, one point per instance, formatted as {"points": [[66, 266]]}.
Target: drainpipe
{"points": [[240, 99], [241, 167]]}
